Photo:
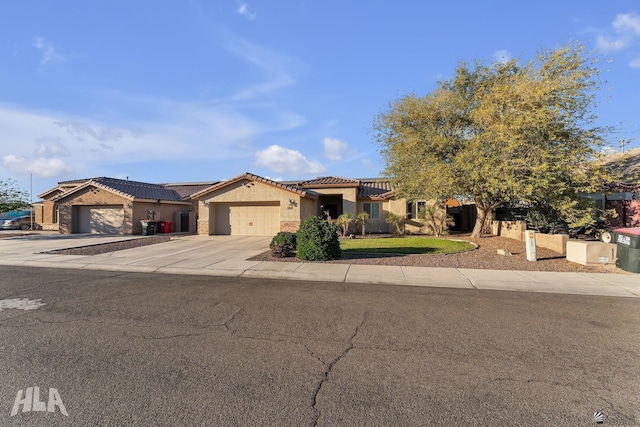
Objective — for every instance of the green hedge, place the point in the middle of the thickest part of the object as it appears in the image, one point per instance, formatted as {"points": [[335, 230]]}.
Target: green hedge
{"points": [[317, 240], [283, 244]]}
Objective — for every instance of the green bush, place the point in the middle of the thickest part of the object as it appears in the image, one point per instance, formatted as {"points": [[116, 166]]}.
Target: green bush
{"points": [[283, 244], [317, 240]]}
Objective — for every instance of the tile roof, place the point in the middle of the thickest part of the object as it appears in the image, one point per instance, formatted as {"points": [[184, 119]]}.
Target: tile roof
{"points": [[371, 188], [186, 189], [130, 189], [50, 191], [375, 188], [325, 181], [378, 188], [253, 177], [76, 181]]}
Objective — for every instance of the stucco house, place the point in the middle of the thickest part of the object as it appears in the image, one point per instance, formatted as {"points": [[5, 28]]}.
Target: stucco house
{"points": [[115, 206], [252, 205], [245, 205]]}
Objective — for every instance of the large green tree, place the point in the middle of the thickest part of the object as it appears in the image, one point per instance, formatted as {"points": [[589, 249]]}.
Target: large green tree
{"points": [[501, 132], [12, 198]]}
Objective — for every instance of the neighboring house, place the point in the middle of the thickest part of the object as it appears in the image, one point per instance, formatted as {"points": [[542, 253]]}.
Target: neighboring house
{"points": [[115, 206], [46, 211], [252, 205], [245, 205], [623, 196]]}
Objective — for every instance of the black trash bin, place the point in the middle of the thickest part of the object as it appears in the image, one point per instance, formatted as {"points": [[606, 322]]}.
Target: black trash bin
{"points": [[628, 249], [148, 227]]}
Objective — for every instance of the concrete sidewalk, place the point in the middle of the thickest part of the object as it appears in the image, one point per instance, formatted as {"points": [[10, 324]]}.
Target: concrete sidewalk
{"points": [[228, 256]]}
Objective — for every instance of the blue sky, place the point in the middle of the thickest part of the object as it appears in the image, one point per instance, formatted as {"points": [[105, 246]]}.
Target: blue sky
{"points": [[180, 91]]}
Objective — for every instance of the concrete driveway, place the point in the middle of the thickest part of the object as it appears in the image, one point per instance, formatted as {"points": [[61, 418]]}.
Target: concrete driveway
{"points": [[193, 252], [182, 253]]}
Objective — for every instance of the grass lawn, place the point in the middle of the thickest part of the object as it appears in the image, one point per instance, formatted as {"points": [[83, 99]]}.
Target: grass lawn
{"points": [[404, 245]]}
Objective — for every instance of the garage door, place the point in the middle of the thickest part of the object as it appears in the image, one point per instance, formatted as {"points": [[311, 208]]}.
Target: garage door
{"points": [[247, 219], [100, 219]]}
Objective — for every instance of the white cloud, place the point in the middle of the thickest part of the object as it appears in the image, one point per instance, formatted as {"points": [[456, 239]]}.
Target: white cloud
{"points": [[243, 9], [635, 63], [51, 147], [286, 161], [51, 144], [367, 163], [275, 67], [334, 149], [627, 22], [83, 129], [502, 56], [626, 27], [612, 45], [49, 53], [39, 166]]}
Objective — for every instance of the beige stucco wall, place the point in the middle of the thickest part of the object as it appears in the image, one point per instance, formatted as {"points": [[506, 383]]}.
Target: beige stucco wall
{"points": [[510, 229], [591, 252], [349, 197], [91, 196], [45, 214], [292, 206], [308, 207], [376, 225], [555, 242], [133, 211], [165, 211]]}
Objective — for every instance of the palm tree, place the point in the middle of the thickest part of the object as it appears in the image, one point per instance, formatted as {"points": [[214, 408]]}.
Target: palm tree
{"points": [[343, 222], [361, 220], [396, 221], [437, 220]]}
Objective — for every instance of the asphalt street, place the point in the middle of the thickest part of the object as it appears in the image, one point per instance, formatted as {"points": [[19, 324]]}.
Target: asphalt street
{"points": [[140, 349]]}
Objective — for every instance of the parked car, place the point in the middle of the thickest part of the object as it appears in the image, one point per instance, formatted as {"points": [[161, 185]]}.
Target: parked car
{"points": [[17, 223]]}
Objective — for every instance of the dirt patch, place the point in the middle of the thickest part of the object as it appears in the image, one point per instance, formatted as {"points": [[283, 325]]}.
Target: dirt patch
{"points": [[112, 247], [484, 257]]}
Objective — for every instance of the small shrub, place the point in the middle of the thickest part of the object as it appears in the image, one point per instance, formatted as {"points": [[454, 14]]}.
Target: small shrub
{"points": [[283, 244], [317, 240]]}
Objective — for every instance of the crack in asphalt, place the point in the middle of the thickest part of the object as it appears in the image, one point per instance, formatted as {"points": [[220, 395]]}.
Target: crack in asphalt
{"points": [[148, 337], [315, 356], [329, 367], [227, 324]]}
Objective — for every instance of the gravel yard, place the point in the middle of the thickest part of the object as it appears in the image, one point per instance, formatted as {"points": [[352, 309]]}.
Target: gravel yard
{"points": [[112, 247], [484, 257]]}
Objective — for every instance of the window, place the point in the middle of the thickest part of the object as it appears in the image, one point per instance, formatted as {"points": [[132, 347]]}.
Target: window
{"points": [[373, 209]]}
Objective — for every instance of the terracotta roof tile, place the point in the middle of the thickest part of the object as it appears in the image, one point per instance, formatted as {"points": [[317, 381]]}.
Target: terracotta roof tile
{"points": [[375, 188], [323, 181], [253, 177]]}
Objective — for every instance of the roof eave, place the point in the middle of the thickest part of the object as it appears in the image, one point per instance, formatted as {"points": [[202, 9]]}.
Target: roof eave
{"points": [[354, 185], [178, 202], [255, 178]]}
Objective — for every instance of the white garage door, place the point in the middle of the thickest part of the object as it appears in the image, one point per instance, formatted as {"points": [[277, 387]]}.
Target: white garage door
{"points": [[261, 219], [100, 219]]}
